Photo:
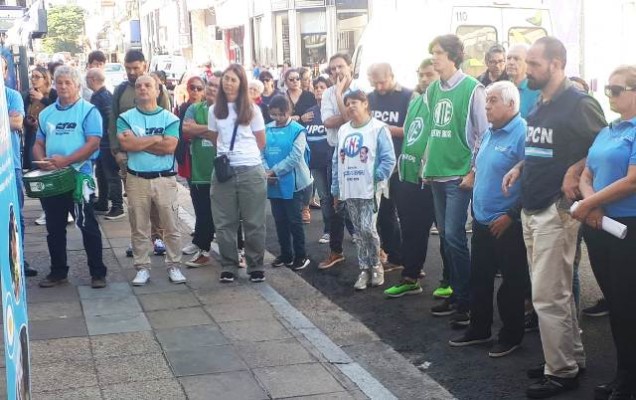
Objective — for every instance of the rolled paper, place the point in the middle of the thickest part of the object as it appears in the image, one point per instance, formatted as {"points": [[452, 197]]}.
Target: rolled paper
{"points": [[608, 224]]}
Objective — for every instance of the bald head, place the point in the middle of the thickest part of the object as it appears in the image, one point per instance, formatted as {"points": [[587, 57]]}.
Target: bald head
{"points": [[95, 79], [381, 77], [516, 63], [146, 92]]}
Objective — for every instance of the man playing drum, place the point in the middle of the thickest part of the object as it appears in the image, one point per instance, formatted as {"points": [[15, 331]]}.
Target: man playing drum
{"points": [[68, 136]]}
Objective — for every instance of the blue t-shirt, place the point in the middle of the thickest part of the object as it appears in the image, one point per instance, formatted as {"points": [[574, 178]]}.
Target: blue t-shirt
{"points": [[611, 154], [528, 98], [500, 150], [15, 105], [64, 130], [141, 123]]}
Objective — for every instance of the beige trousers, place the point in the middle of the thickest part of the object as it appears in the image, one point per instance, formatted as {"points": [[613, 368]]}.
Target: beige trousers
{"points": [[550, 237]]}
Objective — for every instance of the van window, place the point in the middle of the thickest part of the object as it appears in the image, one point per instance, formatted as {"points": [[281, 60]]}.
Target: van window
{"points": [[525, 34], [477, 40]]}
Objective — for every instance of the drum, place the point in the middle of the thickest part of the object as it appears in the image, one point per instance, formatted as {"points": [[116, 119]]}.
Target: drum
{"points": [[40, 183]]}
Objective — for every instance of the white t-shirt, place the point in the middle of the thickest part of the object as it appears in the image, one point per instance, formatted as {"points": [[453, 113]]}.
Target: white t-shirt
{"points": [[329, 108], [246, 152]]}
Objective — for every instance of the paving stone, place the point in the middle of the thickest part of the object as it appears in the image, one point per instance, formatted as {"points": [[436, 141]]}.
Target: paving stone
{"points": [[254, 330], [64, 293], [87, 393], [122, 240], [124, 344], [168, 301], [54, 309], [232, 294], [58, 350], [292, 380], [224, 312], [118, 289], [161, 389], [353, 395], [158, 285], [274, 352], [60, 376], [137, 368], [57, 328], [116, 323], [228, 385], [3, 378], [174, 318], [111, 305], [190, 337], [205, 360]]}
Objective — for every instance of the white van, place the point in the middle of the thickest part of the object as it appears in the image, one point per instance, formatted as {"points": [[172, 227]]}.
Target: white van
{"points": [[401, 37], [173, 66]]}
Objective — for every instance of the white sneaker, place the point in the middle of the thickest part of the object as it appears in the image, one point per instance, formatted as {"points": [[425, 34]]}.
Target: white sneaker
{"points": [[69, 219], [175, 275], [324, 239], [190, 249], [200, 259], [142, 277], [41, 220], [363, 280], [377, 276]]}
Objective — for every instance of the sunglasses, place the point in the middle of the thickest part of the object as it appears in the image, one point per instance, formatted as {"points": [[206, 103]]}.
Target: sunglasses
{"points": [[293, 79], [195, 88], [616, 90]]}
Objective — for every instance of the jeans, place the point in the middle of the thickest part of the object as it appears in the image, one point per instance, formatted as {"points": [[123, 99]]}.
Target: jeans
{"points": [[56, 209], [204, 224], [322, 184], [287, 215], [508, 255], [451, 212], [108, 180], [388, 225], [364, 217]]}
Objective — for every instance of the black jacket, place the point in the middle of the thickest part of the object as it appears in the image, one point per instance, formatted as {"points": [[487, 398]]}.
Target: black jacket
{"points": [[103, 100]]}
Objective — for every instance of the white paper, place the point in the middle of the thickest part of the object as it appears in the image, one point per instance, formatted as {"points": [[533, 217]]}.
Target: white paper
{"points": [[609, 225]]}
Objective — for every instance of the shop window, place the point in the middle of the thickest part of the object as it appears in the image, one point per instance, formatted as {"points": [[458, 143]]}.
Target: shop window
{"points": [[525, 35], [350, 26], [477, 40]]}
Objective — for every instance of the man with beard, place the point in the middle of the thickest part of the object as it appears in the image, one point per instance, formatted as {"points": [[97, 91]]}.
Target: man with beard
{"points": [[496, 66], [560, 131]]}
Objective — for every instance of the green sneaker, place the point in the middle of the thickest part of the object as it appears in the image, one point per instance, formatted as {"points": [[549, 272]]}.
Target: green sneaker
{"points": [[402, 288], [443, 292]]}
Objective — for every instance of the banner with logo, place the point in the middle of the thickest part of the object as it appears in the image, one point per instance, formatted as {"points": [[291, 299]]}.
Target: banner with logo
{"points": [[14, 307]]}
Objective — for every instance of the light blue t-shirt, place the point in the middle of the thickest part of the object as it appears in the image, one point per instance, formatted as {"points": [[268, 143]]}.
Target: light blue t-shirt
{"points": [[528, 98], [141, 123], [15, 104], [611, 154], [64, 130], [500, 150]]}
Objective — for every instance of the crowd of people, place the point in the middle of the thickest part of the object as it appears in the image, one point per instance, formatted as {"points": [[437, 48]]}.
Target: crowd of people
{"points": [[514, 148]]}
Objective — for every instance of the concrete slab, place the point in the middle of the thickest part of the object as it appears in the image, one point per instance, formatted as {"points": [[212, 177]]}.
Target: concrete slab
{"points": [[254, 330], [87, 393], [111, 305], [225, 295], [59, 350], [205, 360], [138, 368], [273, 353], [57, 328], [190, 337], [354, 395], [54, 309], [157, 284], [168, 301], [160, 389], [124, 344], [224, 312], [229, 385], [116, 323], [292, 380], [117, 289], [59, 376], [35, 294], [175, 318]]}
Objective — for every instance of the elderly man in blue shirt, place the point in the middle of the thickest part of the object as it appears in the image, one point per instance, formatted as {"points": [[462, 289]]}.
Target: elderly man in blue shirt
{"points": [[497, 241]]}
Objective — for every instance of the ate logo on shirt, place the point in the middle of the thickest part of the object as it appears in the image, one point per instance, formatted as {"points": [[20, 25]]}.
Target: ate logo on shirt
{"points": [[415, 131], [443, 113]]}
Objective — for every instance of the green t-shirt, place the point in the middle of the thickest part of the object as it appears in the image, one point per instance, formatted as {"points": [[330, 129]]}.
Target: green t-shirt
{"points": [[411, 161], [202, 150]]}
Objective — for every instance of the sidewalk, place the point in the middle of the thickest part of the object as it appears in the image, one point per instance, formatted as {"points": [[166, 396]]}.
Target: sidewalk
{"points": [[201, 340]]}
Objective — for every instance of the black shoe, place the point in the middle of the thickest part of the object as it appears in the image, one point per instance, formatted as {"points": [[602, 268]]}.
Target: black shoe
{"points": [[604, 390], [619, 394], [550, 386], [100, 208], [30, 272], [279, 262], [257, 276], [114, 214], [502, 349], [531, 322], [226, 277], [300, 263], [600, 309], [459, 320], [538, 371], [444, 309], [51, 281], [469, 339], [98, 283]]}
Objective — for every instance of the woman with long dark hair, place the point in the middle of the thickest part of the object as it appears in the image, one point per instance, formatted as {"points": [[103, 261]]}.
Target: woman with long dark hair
{"points": [[236, 126]]}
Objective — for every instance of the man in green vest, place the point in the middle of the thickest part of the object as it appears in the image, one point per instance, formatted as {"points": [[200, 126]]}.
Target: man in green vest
{"points": [[456, 120], [203, 152]]}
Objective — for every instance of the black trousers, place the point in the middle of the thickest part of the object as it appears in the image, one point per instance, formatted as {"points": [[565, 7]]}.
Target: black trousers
{"points": [[108, 179], [614, 265], [204, 225], [388, 225], [508, 255], [290, 229], [415, 208], [56, 209]]}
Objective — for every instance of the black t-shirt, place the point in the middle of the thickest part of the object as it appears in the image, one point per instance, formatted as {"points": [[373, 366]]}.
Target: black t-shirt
{"points": [[391, 109], [321, 152], [560, 132], [304, 103], [485, 78]]}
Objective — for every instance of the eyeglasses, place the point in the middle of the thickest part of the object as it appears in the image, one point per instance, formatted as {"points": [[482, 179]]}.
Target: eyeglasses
{"points": [[616, 90], [496, 62], [195, 88], [293, 79]]}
